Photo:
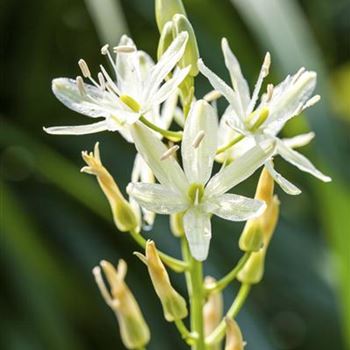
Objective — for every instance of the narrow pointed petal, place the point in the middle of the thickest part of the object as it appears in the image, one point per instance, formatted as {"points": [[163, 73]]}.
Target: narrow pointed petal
{"points": [[238, 81], [165, 65], [77, 129], [286, 186], [168, 171], [197, 227], [157, 198], [241, 168], [219, 85], [300, 161], [167, 114], [198, 161], [299, 140], [234, 207]]}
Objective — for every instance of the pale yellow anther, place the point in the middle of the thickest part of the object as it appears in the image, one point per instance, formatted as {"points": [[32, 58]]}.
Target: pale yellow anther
{"points": [[198, 139], [170, 152], [102, 81], [212, 96], [81, 87], [266, 64], [124, 49], [313, 100], [84, 68], [104, 49], [298, 74]]}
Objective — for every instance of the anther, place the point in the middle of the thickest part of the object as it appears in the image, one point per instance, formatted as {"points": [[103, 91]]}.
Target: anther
{"points": [[313, 100], [266, 64], [198, 139], [170, 152], [80, 84], [212, 96], [124, 49], [84, 68], [269, 92], [104, 49], [298, 74], [102, 81]]}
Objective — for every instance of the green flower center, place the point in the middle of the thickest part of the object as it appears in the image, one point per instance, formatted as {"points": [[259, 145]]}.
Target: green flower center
{"points": [[196, 193], [130, 102], [255, 122]]}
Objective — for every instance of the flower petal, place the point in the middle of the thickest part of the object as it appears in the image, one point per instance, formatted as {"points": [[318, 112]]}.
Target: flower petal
{"points": [[78, 129], [241, 168], [234, 207], [300, 161], [157, 198], [286, 186], [299, 140], [168, 111], [197, 227], [198, 161], [167, 171], [165, 65]]}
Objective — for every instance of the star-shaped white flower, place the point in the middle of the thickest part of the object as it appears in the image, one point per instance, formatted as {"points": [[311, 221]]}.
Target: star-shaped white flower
{"points": [[137, 90], [190, 190], [278, 105]]}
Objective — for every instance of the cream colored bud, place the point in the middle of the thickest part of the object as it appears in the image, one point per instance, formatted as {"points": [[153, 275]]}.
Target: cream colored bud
{"points": [[134, 331], [174, 305], [212, 311], [191, 55], [234, 339], [176, 224], [166, 38], [123, 213], [165, 11]]}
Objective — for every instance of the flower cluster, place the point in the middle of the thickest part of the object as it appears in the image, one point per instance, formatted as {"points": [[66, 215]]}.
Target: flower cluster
{"points": [[173, 170]]}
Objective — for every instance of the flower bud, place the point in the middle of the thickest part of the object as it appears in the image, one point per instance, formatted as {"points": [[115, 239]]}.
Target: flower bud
{"points": [[165, 11], [176, 224], [123, 213], [166, 38], [134, 331], [212, 311], [174, 305], [191, 55], [234, 339]]}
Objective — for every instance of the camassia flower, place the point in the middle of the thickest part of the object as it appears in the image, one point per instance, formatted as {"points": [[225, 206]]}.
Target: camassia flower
{"points": [[263, 122], [191, 190], [137, 91]]}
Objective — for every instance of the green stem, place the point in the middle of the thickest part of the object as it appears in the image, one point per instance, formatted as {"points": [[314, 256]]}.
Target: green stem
{"points": [[175, 264], [218, 334], [226, 280], [230, 144], [170, 135], [189, 337]]}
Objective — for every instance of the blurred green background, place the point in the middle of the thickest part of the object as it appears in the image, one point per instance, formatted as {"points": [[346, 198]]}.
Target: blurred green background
{"points": [[56, 224]]}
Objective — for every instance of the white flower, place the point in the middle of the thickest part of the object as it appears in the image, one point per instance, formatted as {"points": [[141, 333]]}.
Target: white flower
{"points": [[278, 105], [190, 190], [137, 91]]}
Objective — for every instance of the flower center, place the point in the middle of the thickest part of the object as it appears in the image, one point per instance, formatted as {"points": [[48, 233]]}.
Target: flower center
{"points": [[196, 193], [130, 102], [254, 121]]}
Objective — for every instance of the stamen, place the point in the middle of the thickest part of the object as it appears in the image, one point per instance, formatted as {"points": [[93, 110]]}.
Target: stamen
{"points": [[198, 139], [104, 49], [313, 100], [212, 96], [102, 81], [269, 92], [84, 68], [80, 84], [266, 65], [101, 285], [298, 74], [170, 152], [111, 83], [124, 49]]}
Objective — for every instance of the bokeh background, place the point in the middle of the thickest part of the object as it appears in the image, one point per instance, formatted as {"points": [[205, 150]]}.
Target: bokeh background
{"points": [[56, 224]]}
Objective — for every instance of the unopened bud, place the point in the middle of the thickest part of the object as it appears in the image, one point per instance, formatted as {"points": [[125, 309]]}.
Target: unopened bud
{"points": [[234, 339], [166, 38], [165, 11], [174, 305], [123, 213], [191, 55], [134, 331], [176, 224]]}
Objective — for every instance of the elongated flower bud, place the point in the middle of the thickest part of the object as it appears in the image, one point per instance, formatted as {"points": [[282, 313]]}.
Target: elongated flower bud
{"points": [[123, 213], [176, 224], [212, 311], [191, 55], [134, 331], [166, 38], [234, 339], [174, 305], [165, 11]]}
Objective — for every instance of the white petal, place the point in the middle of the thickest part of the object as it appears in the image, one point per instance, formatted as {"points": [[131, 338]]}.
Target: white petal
{"points": [[94, 103], [241, 168], [198, 161], [234, 207], [165, 65], [157, 198], [77, 129], [300, 161], [239, 83], [286, 186], [168, 171], [299, 140], [167, 114], [219, 85], [197, 227]]}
